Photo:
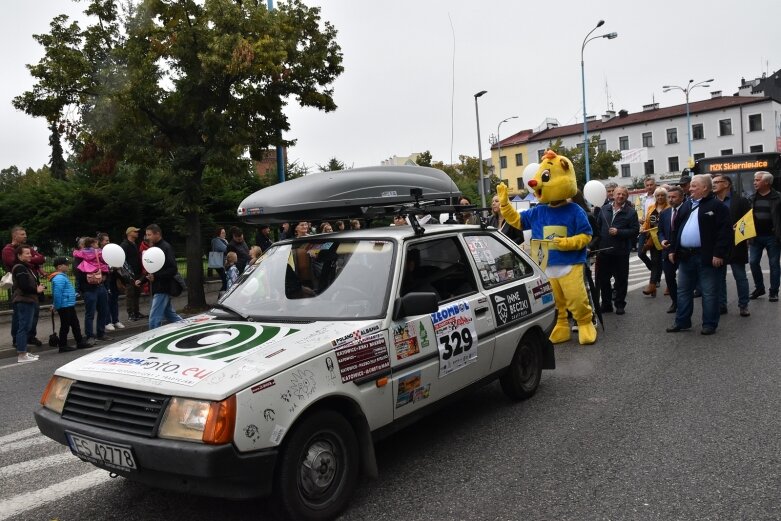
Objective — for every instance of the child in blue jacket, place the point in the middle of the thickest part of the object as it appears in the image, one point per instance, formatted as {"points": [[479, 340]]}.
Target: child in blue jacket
{"points": [[65, 303]]}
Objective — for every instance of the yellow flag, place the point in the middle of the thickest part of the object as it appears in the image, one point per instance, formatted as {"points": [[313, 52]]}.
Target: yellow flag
{"points": [[655, 237], [744, 228], [539, 252]]}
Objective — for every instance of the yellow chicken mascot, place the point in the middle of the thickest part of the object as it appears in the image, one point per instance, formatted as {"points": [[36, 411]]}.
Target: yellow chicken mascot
{"points": [[565, 228]]}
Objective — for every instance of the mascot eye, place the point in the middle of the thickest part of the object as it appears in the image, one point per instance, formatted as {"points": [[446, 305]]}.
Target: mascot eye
{"points": [[545, 176]]}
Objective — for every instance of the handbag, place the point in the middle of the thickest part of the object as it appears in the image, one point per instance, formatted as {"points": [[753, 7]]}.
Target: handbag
{"points": [[7, 282], [95, 278], [178, 285], [216, 259], [54, 340]]}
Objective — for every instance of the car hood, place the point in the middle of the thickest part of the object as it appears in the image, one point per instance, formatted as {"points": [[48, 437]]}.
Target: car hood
{"points": [[202, 357]]}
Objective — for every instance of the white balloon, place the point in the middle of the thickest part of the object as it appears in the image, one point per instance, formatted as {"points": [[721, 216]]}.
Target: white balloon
{"points": [[528, 173], [114, 255], [595, 193], [153, 259]]}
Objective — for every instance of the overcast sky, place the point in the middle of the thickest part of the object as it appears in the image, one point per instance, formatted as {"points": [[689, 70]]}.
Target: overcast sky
{"points": [[403, 63]]}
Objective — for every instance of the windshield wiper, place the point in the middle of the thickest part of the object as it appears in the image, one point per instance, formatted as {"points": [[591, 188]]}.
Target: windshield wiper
{"points": [[232, 311]]}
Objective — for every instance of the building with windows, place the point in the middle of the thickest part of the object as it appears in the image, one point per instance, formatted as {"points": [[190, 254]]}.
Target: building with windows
{"points": [[512, 159], [654, 141]]}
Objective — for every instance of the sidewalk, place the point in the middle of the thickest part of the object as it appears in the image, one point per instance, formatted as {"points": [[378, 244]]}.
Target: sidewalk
{"points": [[131, 328]]}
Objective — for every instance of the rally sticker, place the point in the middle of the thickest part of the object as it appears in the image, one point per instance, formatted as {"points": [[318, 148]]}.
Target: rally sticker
{"points": [[510, 305], [411, 389], [454, 328], [405, 340], [543, 291], [363, 358]]}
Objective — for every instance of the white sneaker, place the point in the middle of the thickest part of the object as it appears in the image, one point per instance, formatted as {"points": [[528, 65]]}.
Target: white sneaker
{"points": [[119, 325], [26, 357], [33, 355], [109, 327]]}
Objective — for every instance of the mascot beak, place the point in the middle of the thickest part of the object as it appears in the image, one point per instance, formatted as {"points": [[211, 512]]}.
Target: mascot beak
{"points": [[533, 183]]}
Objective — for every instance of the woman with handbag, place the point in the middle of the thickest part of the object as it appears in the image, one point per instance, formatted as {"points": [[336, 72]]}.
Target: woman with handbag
{"points": [[650, 251], [27, 288], [217, 257], [91, 274]]}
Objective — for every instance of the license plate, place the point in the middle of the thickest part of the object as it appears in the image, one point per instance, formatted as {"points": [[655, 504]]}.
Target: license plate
{"points": [[102, 453]]}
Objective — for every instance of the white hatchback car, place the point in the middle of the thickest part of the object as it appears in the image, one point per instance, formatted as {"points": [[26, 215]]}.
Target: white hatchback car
{"points": [[328, 344]]}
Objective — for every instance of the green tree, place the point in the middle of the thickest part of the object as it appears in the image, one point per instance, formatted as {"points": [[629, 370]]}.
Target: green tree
{"points": [[332, 165], [179, 87], [424, 159], [602, 162], [465, 175]]}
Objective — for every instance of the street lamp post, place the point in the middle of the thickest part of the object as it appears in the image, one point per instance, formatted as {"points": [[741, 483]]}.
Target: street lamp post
{"points": [[609, 36], [686, 90], [499, 142], [480, 185]]}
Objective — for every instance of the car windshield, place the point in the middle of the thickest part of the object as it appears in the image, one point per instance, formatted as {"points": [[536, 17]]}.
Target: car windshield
{"points": [[316, 280]]}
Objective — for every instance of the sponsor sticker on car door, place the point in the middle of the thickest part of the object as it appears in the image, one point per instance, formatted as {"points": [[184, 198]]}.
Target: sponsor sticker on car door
{"points": [[454, 329]]}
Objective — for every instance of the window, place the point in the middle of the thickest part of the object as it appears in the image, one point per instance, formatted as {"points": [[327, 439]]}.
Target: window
{"points": [[648, 139], [649, 167], [520, 183], [754, 122], [672, 136], [518, 159], [503, 162], [440, 266], [540, 153], [756, 149], [698, 132], [725, 127], [697, 157], [495, 261], [726, 152], [672, 164], [623, 143], [626, 170], [601, 146]]}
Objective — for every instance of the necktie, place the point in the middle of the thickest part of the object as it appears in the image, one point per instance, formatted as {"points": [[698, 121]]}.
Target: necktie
{"points": [[672, 223]]}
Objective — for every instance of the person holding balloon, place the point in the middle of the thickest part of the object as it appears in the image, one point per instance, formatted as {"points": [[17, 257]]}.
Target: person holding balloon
{"points": [[91, 272], [160, 264]]}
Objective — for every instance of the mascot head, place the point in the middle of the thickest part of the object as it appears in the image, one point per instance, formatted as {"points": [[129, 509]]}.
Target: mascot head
{"points": [[555, 179]]}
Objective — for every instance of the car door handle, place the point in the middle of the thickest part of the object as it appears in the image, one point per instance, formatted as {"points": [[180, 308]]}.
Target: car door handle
{"points": [[481, 310]]}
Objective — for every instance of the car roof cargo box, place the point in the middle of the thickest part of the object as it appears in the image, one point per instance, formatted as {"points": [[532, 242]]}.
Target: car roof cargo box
{"points": [[345, 194]]}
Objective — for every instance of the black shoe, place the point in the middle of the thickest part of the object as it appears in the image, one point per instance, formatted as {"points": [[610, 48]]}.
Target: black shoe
{"points": [[723, 310], [139, 316], [756, 294], [675, 328], [744, 312], [66, 349], [620, 311], [34, 342], [697, 293], [707, 331], [773, 297], [672, 309], [85, 344]]}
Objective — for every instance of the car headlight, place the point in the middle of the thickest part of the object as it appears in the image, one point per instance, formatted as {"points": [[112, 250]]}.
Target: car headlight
{"points": [[56, 392], [199, 420]]}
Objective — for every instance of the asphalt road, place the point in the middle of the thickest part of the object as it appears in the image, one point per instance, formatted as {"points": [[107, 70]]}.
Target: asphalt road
{"points": [[642, 425]]}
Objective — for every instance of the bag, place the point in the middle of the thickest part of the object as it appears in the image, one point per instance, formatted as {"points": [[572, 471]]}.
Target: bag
{"points": [[95, 278], [7, 282], [178, 285], [54, 340], [216, 259]]}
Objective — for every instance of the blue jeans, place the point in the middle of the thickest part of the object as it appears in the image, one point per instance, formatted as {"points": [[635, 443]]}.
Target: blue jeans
{"points": [[691, 274], [25, 315], [33, 332], [162, 308], [741, 283], [96, 299], [773, 247]]}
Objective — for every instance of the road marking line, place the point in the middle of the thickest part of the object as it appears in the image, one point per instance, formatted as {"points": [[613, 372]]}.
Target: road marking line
{"points": [[16, 505], [23, 444], [38, 464], [18, 435]]}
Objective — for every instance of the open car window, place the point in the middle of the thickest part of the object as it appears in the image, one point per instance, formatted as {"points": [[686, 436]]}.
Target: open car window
{"points": [[316, 280], [496, 262]]}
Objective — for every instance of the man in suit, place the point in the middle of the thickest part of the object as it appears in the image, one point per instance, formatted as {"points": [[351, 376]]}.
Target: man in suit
{"points": [[700, 245], [738, 207], [669, 222]]}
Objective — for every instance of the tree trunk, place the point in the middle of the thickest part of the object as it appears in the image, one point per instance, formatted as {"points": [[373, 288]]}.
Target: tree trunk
{"points": [[196, 297]]}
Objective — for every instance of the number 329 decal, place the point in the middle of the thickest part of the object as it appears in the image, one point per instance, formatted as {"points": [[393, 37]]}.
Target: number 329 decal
{"points": [[454, 327]]}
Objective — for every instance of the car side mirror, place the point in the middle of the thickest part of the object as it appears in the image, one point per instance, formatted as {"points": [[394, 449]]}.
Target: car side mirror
{"points": [[416, 303]]}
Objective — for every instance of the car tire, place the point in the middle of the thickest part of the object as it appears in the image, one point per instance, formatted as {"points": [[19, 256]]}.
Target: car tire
{"points": [[317, 469], [523, 376]]}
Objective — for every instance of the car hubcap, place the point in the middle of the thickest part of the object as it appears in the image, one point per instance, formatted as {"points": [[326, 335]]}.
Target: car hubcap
{"points": [[318, 468]]}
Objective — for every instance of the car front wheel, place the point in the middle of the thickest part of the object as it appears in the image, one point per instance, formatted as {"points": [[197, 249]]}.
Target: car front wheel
{"points": [[318, 468], [523, 376]]}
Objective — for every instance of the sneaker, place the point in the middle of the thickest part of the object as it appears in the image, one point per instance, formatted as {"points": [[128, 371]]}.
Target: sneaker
{"points": [[773, 296], [34, 341], [756, 294], [109, 327], [744, 312], [119, 325], [25, 358]]}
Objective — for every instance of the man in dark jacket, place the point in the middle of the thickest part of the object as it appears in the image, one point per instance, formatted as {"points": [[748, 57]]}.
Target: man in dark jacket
{"points": [[738, 207], [766, 204], [18, 237], [161, 281], [669, 222], [263, 237], [618, 230], [133, 261], [239, 246], [701, 246]]}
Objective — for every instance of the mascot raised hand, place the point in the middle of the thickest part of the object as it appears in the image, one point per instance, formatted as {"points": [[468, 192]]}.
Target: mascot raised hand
{"points": [[565, 228]]}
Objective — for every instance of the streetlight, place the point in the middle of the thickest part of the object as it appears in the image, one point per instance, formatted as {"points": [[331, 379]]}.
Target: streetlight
{"points": [[480, 185], [609, 36], [689, 87], [499, 142]]}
